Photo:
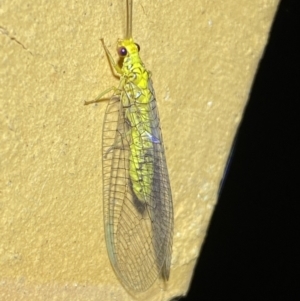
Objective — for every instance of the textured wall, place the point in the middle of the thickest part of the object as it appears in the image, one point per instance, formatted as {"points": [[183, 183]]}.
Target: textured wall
{"points": [[203, 56]]}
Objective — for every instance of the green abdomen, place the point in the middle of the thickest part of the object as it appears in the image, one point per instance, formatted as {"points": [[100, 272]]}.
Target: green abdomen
{"points": [[141, 151]]}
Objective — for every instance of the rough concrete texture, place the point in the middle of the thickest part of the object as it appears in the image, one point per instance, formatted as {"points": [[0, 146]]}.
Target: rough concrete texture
{"points": [[203, 56]]}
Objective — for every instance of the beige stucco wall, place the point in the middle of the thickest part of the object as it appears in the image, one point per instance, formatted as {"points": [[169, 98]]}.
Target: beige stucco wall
{"points": [[203, 56]]}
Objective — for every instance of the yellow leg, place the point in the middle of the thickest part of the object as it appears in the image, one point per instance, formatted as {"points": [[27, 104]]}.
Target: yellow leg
{"points": [[99, 97], [114, 67], [111, 60]]}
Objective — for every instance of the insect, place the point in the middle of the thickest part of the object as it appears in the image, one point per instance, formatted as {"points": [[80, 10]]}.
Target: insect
{"points": [[138, 210]]}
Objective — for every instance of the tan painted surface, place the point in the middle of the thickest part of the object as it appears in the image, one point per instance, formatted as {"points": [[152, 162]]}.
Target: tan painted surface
{"points": [[203, 56]]}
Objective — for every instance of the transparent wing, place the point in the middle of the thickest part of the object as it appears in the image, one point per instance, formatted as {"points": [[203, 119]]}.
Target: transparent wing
{"points": [[138, 234]]}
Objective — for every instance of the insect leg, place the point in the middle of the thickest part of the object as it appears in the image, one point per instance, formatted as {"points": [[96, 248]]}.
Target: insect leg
{"points": [[99, 97], [118, 144], [115, 66]]}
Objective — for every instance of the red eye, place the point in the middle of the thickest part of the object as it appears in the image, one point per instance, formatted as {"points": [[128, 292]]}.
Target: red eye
{"points": [[122, 51]]}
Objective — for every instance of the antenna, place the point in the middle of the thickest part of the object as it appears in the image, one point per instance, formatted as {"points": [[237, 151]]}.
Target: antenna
{"points": [[129, 20]]}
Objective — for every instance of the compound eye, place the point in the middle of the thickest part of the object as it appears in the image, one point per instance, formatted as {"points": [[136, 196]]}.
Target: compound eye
{"points": [[138, 47], [122, 51]]}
